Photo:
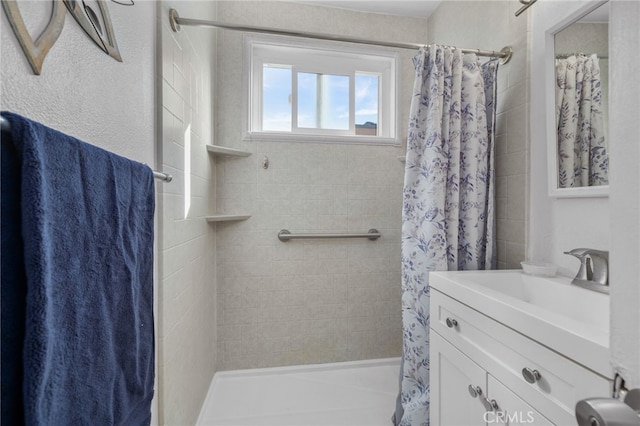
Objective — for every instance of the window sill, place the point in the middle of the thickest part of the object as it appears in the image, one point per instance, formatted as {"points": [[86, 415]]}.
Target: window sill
{"points": [[335, 139]]}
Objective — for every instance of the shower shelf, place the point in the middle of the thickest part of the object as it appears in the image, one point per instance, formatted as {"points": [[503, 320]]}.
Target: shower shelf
{"points": [[224, 151], [227, 217], [217, 150]]}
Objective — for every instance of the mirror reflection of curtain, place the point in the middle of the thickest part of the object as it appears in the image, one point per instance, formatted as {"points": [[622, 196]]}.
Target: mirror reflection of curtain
{"points": [[582, 152]]}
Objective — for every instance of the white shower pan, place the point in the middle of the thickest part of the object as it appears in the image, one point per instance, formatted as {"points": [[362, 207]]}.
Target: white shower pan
{"points": [[346, 393]]}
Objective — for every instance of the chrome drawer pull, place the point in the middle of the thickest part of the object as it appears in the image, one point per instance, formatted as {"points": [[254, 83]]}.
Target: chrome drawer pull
{"points": [[531, 376], [475, 391], [489, 405], [494, 405], [451, 322]]}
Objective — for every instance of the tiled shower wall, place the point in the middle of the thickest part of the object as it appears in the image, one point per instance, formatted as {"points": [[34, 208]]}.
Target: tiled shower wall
{"points": [[308, 301], [187, 305], [490, 25]]}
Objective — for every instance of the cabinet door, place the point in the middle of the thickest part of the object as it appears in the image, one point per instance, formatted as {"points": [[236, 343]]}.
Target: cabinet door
{"points": [[451, 373], [511, 409]]}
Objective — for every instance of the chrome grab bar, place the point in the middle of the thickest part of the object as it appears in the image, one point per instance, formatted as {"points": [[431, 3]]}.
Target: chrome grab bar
{"points": [[285, 235]]}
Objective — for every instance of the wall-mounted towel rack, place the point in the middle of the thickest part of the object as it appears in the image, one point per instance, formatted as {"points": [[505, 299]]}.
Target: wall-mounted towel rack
{"points": [[285, 235], [6, 127]]}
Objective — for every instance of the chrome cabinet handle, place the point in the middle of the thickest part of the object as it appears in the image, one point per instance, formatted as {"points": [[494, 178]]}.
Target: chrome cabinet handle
{"points": [[494, 405], [451, 322], [531, 376], [475, 391], [489, 405]]}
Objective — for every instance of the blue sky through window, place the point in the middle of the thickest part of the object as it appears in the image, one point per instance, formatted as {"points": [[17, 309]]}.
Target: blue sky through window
{"points": [[323, 99], [367, 87], [276, 98]]}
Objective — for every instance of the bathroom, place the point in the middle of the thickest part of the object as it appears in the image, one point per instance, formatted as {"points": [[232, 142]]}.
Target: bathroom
{"points": [[228, 294]]}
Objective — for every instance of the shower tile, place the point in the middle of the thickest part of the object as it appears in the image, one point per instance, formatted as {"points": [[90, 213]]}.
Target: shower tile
{"points": [[515, 254], [511, 164], [517, 129], [516, 197]]}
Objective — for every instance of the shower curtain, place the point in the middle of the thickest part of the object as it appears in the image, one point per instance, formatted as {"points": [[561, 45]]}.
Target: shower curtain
{"points": [[582, 152], [448, 209]]}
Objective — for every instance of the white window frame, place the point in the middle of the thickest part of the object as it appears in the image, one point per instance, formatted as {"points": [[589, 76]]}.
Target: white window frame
{"points": [[320, 58]]}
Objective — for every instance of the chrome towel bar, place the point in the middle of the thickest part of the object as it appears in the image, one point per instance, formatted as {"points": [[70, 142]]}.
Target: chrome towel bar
{"points": [[6, 127], [285, 235]]}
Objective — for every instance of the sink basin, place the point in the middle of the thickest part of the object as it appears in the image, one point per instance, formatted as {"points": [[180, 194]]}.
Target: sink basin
{"points": [[568, 319], [554, 294]]}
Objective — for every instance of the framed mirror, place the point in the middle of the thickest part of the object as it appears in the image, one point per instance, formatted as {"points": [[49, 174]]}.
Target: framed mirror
{"points": [[577, 105]]}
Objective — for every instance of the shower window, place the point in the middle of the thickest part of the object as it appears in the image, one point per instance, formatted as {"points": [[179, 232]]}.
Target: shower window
{"points": [[319, 93]]}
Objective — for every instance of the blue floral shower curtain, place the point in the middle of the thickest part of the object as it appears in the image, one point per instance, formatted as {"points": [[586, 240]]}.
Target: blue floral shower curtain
{"points": [[582, 149], [448, 210]]}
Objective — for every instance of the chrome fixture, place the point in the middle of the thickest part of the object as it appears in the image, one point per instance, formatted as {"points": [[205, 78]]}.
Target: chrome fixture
{"points": [[594, 269], [176, 21], [6, 127], [451, 322], [610, 411], [531, 376], [475, 391], [527, 4], [285, 235]]}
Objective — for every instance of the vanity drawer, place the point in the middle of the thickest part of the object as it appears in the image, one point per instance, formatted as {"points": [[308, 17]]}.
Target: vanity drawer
{"points": [[504, 353]]}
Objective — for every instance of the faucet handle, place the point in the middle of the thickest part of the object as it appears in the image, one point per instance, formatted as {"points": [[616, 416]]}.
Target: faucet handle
{"points": [[598, 253], [578, 252], [600, 265], [585, 272]]}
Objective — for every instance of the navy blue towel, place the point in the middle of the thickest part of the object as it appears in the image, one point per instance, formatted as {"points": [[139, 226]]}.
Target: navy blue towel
{"points": [[77, 265]]}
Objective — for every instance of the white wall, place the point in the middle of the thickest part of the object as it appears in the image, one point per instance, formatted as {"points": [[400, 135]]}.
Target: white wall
{"points": [[491, 26], [609, 223], [307, 301], [187, 284], [557, 224], [625, 191]]}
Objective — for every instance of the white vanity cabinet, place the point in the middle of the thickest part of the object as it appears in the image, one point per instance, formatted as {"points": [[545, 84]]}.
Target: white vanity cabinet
{"points": [[469, 348], [463, 393]]}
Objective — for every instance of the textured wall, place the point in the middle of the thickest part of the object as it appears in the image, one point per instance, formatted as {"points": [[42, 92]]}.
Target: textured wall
{"points": [[307, 301], [491, 26], [187, 307], [82, 91]]}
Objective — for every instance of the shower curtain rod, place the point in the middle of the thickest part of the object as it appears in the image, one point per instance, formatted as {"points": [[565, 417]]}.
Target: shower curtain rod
{"points": [[176, 21], [566, 55], [5, 126]]}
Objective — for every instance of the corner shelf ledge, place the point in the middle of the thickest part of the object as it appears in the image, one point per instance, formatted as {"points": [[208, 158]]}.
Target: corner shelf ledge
{"points": [[222, 150], [227, 217]]}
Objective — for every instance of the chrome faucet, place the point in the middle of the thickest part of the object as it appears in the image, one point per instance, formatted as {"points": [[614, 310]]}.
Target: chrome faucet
{"points": [[594, 269]]}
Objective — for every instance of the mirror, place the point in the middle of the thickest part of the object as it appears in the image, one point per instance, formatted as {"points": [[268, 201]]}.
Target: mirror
{"points": [[580, 158]]}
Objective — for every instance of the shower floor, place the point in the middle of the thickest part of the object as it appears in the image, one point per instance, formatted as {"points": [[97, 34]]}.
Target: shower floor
{"points": [[347, 393]]}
